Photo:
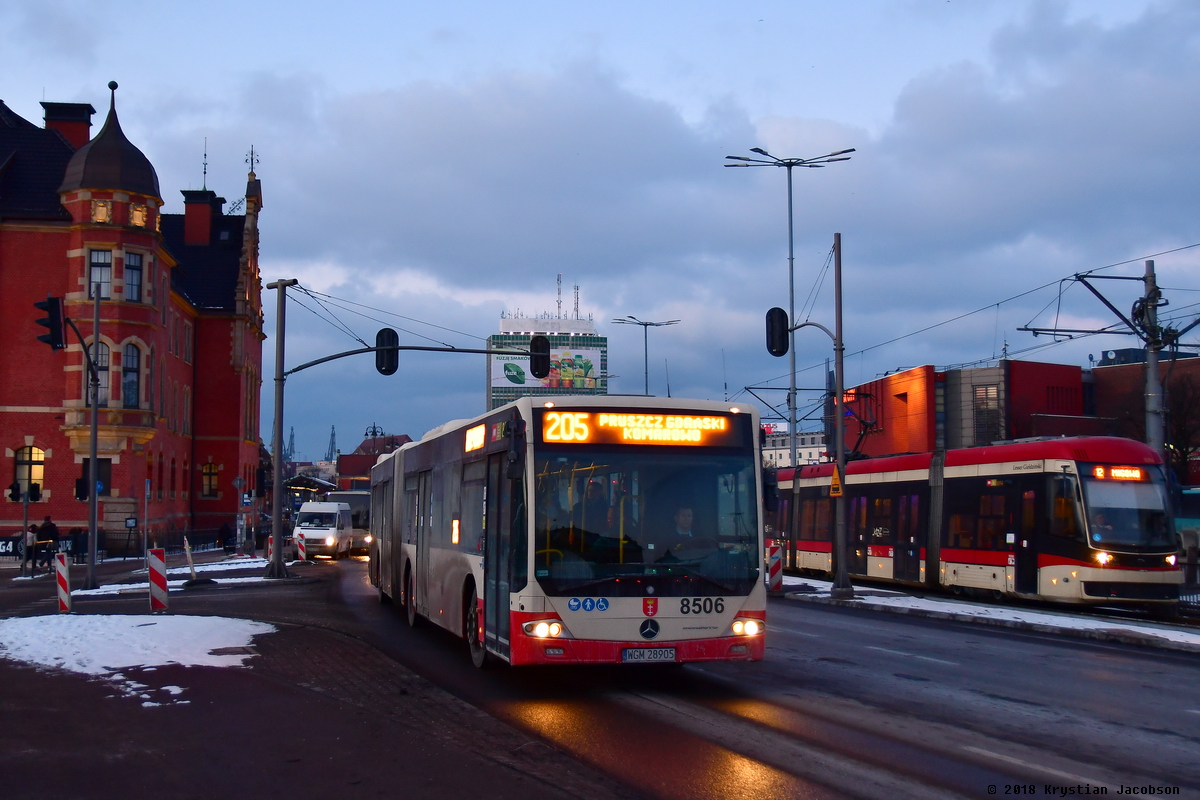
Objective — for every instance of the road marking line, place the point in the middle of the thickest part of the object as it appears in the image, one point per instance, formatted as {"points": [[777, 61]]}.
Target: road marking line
{"points": [[795, 633], [914, 655], [1048, 770], [939, 661]]}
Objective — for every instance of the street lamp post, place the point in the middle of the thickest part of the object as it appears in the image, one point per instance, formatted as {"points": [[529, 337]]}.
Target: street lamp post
{"points": [[646, 326], [277, 569], [765, 159]]}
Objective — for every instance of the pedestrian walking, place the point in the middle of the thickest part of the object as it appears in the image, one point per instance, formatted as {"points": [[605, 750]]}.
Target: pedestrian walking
{"points": [[47, 534]]}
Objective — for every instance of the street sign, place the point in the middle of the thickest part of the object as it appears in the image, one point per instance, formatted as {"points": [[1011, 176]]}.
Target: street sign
{"points": [[130, 523], [247, 499], [147, 488], [835, 486]]}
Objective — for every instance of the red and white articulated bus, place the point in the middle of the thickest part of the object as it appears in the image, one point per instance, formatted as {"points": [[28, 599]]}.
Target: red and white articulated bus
{"points": [[573, 530], [1074, 520]]}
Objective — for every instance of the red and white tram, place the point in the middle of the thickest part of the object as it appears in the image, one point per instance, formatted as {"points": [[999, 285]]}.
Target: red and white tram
{"points": [[577, 530], [1076, 520]]}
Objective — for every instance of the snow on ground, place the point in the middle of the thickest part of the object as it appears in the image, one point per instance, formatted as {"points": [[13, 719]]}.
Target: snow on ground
{"points": [[102, 645], [221, 566], [1056, 619]]}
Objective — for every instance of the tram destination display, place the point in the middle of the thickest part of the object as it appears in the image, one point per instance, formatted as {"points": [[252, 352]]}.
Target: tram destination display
{"points": [[634, 428]]}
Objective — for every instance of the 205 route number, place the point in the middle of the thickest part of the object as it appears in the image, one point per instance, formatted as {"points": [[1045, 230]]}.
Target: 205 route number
{"points": [[702, 605]]}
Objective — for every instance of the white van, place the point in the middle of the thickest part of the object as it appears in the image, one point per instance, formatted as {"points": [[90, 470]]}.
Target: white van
{"points": [[326, 528]]}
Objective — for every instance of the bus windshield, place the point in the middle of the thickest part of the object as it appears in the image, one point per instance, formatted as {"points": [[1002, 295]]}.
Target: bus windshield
{"points": [[621, 523], [1127, 514]]}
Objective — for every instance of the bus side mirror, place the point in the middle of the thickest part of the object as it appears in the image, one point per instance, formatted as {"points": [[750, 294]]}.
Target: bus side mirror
{"points": [[516, 449], [770, 491]]}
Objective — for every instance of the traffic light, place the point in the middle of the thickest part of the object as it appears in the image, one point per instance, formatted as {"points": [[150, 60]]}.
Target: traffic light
{"points": [[14, 492], [35, 492], [53, 322], [539, 356], [777, 332], [81, 488], [387, 361]]}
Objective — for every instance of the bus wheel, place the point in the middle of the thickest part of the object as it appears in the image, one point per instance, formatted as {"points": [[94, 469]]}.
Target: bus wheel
{"points": [[410, 602], [479, 654]]}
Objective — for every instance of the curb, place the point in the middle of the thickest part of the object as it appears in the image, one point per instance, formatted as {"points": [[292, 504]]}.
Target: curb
{"points": [[1097, 634]]}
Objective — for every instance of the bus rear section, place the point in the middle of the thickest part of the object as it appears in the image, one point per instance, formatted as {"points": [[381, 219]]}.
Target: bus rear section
{"points": [[589, 530]]}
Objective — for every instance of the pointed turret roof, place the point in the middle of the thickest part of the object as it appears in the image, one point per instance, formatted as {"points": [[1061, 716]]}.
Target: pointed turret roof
{"points": [[110, 161]]}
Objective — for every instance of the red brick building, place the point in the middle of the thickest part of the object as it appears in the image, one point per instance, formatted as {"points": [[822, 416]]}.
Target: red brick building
{"points": [[180, 339]]}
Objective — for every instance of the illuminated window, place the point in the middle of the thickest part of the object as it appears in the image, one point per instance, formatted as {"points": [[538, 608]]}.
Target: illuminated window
{"points": [[133, 277], [131, 377], [100, 272], [30, 467], [102, 211], [137, 215], [208, 480]]}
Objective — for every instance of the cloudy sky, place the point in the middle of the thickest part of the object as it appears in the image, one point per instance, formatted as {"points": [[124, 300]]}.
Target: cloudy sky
{"points": [[445, 164]]}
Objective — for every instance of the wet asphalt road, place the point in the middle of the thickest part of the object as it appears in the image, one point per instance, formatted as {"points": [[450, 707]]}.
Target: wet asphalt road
{"points": [[847, 704]]}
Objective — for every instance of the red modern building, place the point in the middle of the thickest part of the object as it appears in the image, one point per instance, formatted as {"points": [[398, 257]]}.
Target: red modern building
{"points": [[180, 339], [923, 409]]}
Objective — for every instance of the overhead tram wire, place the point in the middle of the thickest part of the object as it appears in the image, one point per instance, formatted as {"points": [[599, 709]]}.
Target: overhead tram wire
{"points": [[342, 325], [981, 309], [333, 322], [397, 316]]}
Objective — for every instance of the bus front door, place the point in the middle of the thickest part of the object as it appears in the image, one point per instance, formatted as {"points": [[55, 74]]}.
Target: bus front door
{"points": [[496, 559]]}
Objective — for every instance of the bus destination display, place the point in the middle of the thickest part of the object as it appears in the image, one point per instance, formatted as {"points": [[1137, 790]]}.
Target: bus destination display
{"points": [[583, 427]]}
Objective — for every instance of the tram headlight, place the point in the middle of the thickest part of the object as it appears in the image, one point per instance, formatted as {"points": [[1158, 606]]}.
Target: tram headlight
{"points": [[544, 629], [1171, 559], [1103, 558], [747, 627]]}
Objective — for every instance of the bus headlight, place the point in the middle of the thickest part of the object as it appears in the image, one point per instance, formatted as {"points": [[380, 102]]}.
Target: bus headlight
{"points": [[1103, 558], [1171, 559], [370, 538], [544, 629], [747, 627], [330, 541]]}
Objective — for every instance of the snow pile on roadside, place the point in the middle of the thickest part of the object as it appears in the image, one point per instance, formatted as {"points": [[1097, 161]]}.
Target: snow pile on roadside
{"points": [[144, 586], [101, 644], [1058, 620]]}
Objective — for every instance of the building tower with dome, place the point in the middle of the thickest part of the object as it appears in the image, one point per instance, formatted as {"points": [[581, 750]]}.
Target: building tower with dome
{"points": [[180, 339]]}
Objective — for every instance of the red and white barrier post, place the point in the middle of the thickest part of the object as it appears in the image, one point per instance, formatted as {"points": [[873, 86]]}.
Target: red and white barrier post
{"points": [[774, 568], [270, 547], [301, 549], [156, 564], [63, 573]]}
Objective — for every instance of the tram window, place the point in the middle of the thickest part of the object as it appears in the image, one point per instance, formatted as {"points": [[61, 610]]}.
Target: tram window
{"points": [[815, 521], [1065, 519], [991, 524]]}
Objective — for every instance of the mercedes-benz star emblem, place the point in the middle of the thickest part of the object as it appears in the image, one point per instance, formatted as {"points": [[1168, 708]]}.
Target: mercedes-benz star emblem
{"points": [[649, 629]]}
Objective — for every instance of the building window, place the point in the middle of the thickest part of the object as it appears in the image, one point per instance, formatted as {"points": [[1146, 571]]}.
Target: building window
{"points": [[137, 215], [133, 277], [187, 410], [102, 211], [160, 476], [162, 298], [987, 414], [99, 352], [208, 480], [185, 479], [187, 342], [131, 377], [30, 467], [100, 272], [172, 479], [162, 393]]}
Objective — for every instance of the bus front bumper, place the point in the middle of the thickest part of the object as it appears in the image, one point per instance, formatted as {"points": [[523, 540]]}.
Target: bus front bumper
{"points": [[530, 650]]}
